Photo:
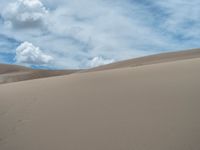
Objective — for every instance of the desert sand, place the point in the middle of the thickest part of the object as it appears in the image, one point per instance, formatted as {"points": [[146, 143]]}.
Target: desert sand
{"points": [[148, 107]]}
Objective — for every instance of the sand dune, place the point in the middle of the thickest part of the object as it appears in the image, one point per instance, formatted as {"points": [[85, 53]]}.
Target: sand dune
{"points": [[158, 58], [151, 107], [5, 68], [14, 73]]}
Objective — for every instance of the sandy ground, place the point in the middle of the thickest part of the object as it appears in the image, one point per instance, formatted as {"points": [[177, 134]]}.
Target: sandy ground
{"points": [[151, 107]]}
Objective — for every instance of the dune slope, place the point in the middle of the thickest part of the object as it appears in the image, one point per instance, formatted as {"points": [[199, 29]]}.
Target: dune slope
{"points": [[152, 107], [6, 68], [14, 73], [152, 59]]}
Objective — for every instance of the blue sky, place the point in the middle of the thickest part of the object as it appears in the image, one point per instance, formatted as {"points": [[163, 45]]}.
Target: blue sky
{"points": [[66, 34]]}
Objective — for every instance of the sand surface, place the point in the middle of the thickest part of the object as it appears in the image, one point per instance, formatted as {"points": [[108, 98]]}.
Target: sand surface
{"points": [[151, 107]]}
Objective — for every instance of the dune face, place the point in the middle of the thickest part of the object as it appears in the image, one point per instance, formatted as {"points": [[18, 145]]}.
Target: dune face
{"points": [[14, 73], [151, 107]]}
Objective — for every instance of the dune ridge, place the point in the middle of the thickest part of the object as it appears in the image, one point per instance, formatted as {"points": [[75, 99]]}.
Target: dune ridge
{"points": [[152, 59], [15, 73], [7, 68]]}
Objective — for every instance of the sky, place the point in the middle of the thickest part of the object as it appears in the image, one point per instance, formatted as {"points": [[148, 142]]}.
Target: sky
{"points": [[66, 34]]}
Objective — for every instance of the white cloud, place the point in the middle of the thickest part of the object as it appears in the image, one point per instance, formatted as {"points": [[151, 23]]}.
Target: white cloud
{"points": [[28, 54], [98, 61], [25, 14]]}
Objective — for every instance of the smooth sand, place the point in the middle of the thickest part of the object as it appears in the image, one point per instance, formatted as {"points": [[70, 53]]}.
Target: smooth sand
{"points": [[152, 107]]}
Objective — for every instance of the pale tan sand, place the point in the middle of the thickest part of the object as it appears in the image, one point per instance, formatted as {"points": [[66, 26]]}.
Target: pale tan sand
{"points": [[152, 107]]}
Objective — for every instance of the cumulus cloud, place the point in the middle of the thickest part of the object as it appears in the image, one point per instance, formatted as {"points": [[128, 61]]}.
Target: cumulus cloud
{"points": [[98, 61], [28, 54], [25, 14]]}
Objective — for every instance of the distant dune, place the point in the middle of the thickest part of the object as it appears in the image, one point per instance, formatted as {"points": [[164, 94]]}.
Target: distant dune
{"points": [[148, 107], [5, 68], [14, 73]]}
